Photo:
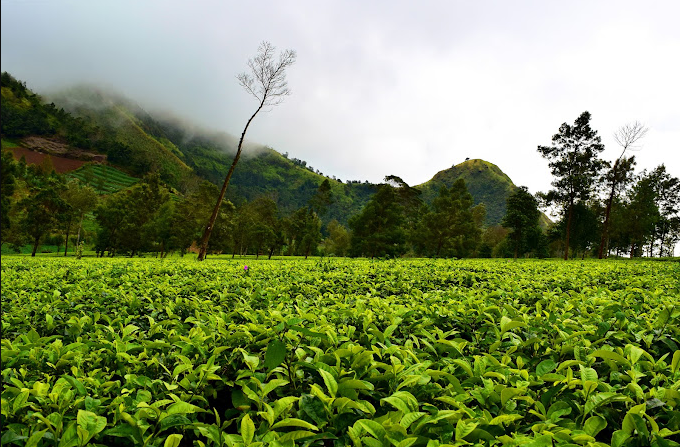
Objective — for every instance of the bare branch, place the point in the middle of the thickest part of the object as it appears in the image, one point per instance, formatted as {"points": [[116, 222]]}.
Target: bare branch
{"points": [[267, 78], [627, 135]]}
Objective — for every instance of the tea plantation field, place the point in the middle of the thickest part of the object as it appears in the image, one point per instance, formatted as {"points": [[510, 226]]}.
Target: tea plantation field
{"points": [[146, 352]]}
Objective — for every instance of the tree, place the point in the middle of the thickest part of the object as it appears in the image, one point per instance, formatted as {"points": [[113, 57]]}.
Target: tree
{"points": [[450, 228], [521, 218], [642, 214], [378, 230], [82, 199], [584, 228], [668, 203], [127, 217], [574, 162], [267, 83], [413, 208], [322, 199], [190, 214], [44, 207], [10, 169], [338, 241], [620, 174], [265, 223], [304, 231]]}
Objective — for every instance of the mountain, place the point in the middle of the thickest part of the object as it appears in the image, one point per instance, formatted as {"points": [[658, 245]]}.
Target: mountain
{"points": [[485, 181], [88, 120]]}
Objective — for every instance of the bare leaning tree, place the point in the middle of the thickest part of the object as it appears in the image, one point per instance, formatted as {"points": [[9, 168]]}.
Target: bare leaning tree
{"points": [[626, 136], [266, 81]]}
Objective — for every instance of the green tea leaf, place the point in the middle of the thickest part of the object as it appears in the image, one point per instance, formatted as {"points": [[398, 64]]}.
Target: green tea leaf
{"points": [[173, 420], [594, 425], [619, 437], [183, 408], [295, 435], [410, 418], [464, 428], [313, 407], [90, 423], [545, 367], [675, 363], [396, 403], [293, 422], [610, 355], [505, 419], [173, 441], [275, 355], [540, 441], [247, 430], [372, 427], [507, 324], [35, 438], [557, 410], [272, 385], [330, 382]]}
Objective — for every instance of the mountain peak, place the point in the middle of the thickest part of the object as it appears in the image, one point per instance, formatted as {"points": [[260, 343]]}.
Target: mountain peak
{"points": [[486, 182]]}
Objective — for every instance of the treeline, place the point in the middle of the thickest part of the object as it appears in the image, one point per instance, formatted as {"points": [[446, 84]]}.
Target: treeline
{"points": [[40, 206], [604, 207]]}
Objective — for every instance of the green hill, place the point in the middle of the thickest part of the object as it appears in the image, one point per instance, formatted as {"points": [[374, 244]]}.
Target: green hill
{"points": [[123, 121], [261, 170], [485, 181], [87, 118]]}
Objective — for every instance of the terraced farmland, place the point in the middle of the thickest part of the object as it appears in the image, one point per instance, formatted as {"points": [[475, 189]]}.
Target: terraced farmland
{"points": [[121, 352], [104, 179]]}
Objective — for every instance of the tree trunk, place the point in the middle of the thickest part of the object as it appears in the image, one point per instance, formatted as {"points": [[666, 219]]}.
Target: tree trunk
{"points": [[566, 248], [208, 229], [80, 226], [604, 240], [68, 232], [36, 243]]}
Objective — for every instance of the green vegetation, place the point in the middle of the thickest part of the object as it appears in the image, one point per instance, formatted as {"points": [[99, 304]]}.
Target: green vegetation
{"points": [[8, 144], [104, 179], [484, 180], [122, 352], [602, 208]]}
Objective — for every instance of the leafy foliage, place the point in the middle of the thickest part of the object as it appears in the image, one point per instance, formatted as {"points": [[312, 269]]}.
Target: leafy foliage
{"points": [[123, 352]]}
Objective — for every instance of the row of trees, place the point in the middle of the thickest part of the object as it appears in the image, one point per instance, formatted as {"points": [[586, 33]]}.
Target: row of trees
{"points": [[40, 206], [604, 207], [37, 203]]}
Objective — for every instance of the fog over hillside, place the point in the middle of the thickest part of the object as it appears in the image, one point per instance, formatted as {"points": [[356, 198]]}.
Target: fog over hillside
{"points": [[410, 89]]}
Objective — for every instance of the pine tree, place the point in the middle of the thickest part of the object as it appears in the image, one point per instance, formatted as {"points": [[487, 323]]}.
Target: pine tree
{"points": [[574, 163]]}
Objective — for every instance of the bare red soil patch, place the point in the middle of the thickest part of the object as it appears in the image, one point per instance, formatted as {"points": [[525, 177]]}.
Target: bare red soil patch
{"points": [[61, 164]]}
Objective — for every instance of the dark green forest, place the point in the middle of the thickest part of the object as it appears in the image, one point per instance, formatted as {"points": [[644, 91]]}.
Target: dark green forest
{"points": [[278, 205]]}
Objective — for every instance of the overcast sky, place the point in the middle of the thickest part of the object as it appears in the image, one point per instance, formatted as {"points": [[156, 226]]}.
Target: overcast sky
{"points": [[379, 87]]}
